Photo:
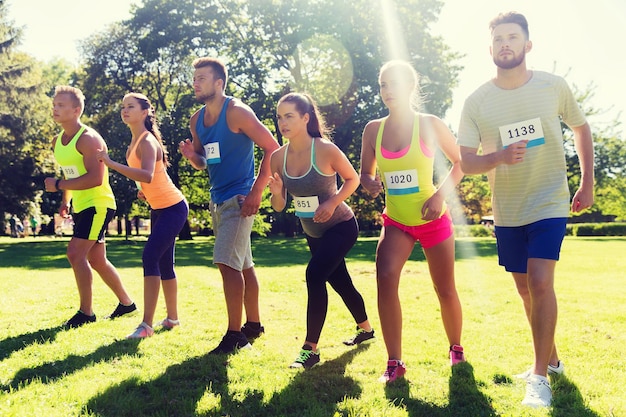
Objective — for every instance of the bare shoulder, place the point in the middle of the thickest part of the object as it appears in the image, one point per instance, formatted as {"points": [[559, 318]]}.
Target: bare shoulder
{"points": [[90, 140], [371, 130]]}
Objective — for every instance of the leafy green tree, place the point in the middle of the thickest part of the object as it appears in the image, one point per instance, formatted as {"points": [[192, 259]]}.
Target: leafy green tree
{"points": [[24, 112]]}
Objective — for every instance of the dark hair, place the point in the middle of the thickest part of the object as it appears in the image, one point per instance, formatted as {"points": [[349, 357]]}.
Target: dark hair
{"points": [[306, 105], [216, 65], [510, 17], [150, 122]]}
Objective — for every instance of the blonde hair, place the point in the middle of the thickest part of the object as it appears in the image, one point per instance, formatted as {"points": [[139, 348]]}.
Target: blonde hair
{"points": [[77, 96], [406, 70]]}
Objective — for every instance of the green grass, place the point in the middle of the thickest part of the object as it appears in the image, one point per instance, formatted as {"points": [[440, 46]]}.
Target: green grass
{"points": [[94, 371]]}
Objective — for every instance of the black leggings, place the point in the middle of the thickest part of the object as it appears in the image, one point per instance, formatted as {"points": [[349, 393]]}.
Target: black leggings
{"points": [[328, 264]]}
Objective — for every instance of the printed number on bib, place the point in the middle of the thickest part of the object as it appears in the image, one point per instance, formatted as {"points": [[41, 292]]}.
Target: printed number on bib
{"points": [[402, 182], [70, 172], [530, 130], [212, 152], [306, 206]]}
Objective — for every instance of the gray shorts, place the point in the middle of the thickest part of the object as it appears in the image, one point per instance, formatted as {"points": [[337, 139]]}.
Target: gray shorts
{"points": [[232, 234]]}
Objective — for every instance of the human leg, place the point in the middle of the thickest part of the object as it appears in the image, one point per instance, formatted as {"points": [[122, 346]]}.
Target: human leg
{"points": [[77, 250], [251, 295], [441, 266], [394, 248]]}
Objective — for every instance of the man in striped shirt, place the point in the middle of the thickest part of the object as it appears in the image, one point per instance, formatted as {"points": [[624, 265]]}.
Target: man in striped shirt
{"points": [[515, 119]]}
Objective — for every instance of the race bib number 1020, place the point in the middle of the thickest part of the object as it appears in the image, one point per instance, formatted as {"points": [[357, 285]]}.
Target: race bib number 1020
{"points": [[402, 182]]}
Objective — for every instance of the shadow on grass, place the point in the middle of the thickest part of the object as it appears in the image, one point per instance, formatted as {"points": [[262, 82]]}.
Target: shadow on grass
{"points": [[52, 371], [567, 400], [17, 343], [465, 397], [178, 391], [267, 251]]}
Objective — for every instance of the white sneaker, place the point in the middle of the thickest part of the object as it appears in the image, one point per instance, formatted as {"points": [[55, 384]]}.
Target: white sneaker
{"points": [[552, 370], [538, 392]]}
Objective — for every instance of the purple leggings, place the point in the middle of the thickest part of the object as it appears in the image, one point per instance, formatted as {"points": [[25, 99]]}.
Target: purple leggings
{"points": [[158, 254]]}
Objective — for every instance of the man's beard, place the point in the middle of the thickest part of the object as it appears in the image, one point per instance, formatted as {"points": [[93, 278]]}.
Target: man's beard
{"points": [[511, 63], [205, 97]]}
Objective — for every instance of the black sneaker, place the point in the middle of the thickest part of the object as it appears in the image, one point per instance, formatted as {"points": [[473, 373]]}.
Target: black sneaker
{"points": [[307, 358], [252, 330], [79, 319], [231, 342], [120, 310], [362, 336]]}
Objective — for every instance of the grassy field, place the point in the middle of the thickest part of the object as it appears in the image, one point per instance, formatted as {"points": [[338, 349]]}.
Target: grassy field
{"points": [[94, 371]]}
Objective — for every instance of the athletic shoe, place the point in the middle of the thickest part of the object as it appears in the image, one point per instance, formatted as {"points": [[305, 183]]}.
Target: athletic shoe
{"points": [[559, 369], [231, 342], [538, 392], [362, 336], [252, 330], [168, 324], [395, 369], [456, 354], [307, 358], [121, 310], [141, 332], [79, 319]]}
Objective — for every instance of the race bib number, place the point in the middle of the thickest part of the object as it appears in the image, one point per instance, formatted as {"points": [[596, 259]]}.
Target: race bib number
{"points": [[402, 182], [70, 172], [212, 152], [306, 206], [530, 130]]}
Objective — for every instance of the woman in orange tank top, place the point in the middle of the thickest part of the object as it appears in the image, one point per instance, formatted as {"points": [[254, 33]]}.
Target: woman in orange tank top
{"points": [[147, 166]]}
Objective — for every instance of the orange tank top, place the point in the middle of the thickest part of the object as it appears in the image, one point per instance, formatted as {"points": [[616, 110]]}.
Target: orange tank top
{"points": [[161, 192]]}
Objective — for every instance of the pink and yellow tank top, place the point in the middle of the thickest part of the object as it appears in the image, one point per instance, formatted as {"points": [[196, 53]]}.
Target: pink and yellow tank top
{"points": [[407, 176], [161, 192]]}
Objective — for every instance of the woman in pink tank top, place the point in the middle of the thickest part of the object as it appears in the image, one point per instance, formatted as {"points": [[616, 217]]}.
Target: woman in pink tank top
{"points": [[401, 146]]}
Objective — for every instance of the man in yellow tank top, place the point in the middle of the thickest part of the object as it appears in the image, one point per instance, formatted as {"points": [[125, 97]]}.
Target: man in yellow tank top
{"points": [[85, 183]]}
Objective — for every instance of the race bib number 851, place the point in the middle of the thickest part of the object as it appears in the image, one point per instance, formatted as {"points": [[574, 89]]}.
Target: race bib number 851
{"points": [[306, 206]]}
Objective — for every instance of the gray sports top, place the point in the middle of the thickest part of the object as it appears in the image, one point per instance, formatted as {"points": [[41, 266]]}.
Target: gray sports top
{"points": [[315, 183]]}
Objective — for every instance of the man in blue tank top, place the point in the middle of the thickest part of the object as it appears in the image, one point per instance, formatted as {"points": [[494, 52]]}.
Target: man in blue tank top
{"points": [[224, 132]]}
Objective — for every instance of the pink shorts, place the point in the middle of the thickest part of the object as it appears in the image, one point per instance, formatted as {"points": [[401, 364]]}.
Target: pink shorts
{"points": [[428, 234]]}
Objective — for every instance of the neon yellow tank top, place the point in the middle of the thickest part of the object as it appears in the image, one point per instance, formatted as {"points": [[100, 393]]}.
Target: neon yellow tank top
{"points": [[73, 166], [408, 179]]}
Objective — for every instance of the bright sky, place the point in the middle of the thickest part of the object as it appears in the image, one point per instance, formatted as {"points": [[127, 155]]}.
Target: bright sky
{"points": [[581, 38]]}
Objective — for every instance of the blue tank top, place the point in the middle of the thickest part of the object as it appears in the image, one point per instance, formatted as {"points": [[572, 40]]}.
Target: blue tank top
{"points": [[230, 157]]}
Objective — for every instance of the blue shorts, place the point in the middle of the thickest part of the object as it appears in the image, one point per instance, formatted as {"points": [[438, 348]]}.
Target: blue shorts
{"points": [[541, 239]]}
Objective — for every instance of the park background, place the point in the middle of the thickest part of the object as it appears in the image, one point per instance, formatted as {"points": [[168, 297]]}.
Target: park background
{"points": [[333, 50]]}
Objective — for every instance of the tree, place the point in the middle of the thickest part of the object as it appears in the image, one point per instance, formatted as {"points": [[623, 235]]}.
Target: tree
{"points": [[331, 49], [24, 147]]}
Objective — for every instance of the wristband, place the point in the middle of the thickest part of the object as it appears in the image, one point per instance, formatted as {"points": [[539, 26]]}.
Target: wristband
{"points": [[56, 184]]}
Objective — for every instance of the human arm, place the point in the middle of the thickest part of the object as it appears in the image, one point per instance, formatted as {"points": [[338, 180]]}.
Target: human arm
{"points": [[583, 143], [192, 150], [147, 152], [241, 118], [473, 163], [340, 164], [434, 128], [278, 197], [369, 179]]}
